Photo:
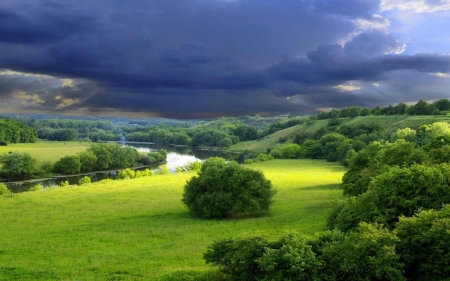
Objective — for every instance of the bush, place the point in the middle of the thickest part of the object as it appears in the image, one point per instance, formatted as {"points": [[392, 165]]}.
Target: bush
{"points": [[264, 157], [36, 187], [224, 189], [238, 257], [84, 180], [248, 161], [368, 253], [294, 259], [162, 170], [126, 174], [3, 143], [63, 184], [4, 189]]}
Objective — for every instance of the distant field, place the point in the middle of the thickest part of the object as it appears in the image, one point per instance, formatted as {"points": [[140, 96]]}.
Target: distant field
{"points": [[139, 230], [44, 150]]}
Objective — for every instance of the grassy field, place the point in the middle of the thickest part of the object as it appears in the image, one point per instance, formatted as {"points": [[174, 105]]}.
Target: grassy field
{"points": [[139, 230], [44, 150]]}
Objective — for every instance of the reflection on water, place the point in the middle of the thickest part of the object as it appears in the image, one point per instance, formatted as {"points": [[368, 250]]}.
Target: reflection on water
{"points": [[177, 156]]}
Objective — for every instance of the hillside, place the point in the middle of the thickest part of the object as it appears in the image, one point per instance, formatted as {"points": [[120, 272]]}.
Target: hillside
{"points": [[389, 124]]}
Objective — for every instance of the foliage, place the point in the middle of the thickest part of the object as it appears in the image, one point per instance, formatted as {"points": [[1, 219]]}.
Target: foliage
{"points": [[162, 170], [110, 156], [63, 184], [3, 143], [36, 187], [264, 157], [84, 180], [289, 151], [4, 189], [425, 243], [68, 165], [367, 253], [290, 259], [238, 257], [190, 166], [12, 131], [224, 189], [18, 165], [87, 161], [399, 191]]}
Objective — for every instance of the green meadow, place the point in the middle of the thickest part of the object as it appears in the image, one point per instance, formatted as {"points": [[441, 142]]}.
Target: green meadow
{"points": [[139, 230], [44, 150]]}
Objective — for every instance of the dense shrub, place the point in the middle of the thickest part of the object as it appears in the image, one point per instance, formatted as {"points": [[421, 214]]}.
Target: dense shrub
{"points": [[162, 170], [84, 180], [4, 189], [424, 244], [224, 189], [238, 257], [368, 253]]}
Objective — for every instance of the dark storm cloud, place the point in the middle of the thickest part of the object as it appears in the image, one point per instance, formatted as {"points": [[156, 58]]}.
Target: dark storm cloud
{"points": [[367, 57], [197, 57]]}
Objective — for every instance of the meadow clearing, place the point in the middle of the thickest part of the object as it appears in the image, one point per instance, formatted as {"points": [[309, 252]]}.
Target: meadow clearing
{"points": [[44, 150], [138, 229]]}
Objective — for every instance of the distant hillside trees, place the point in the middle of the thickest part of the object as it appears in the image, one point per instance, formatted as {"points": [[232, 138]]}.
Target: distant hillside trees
{"points": [[12, 131], [439, 107], [58, 134]]}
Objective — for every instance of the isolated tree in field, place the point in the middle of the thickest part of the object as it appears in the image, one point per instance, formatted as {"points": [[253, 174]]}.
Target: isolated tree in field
{"points": [[224, 189]]}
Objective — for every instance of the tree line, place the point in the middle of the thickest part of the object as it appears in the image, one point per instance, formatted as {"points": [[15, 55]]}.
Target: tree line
{"points": [[12, 131], [98, 157]]}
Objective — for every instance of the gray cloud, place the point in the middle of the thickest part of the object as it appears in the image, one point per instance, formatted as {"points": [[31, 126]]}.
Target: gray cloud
{"points": [[194, 57]]}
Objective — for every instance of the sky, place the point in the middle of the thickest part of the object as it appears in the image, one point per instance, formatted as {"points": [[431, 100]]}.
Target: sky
{"points": [[209, 58]]}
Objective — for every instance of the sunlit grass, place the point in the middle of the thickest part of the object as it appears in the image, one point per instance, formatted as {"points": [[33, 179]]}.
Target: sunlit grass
{"points": [[44, 150], [139, 230]]}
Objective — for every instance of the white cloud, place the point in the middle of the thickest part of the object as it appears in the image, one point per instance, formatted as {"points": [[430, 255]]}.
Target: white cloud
{"points": [[440, 74], [418, 6]]}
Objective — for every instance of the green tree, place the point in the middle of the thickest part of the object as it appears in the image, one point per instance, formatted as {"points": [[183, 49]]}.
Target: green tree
{"points": [[18, 165], [68, 165], [425, 243], [224, 189], [366, 254], [398, 191], [289, 151], [87, 160]]}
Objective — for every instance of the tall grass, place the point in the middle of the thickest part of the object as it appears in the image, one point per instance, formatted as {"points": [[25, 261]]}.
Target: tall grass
{"points": [[138, 229]]}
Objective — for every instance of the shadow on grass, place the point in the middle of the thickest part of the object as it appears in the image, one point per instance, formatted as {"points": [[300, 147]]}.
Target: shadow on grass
{"points": [[192, 275]]}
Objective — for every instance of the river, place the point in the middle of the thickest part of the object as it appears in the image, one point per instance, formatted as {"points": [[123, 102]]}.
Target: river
{"points": [[177, 156]]}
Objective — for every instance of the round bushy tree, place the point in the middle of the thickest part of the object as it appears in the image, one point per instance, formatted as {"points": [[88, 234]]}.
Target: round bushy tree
{"points": [[224, 189]]}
